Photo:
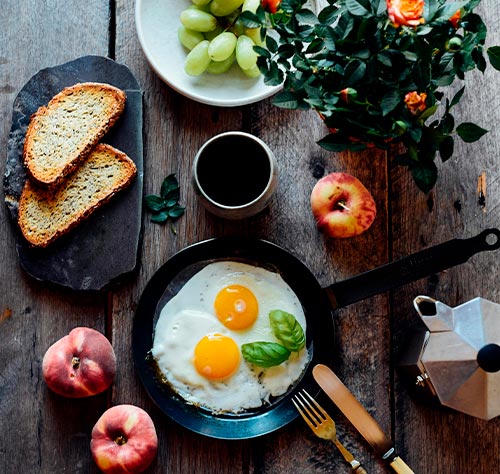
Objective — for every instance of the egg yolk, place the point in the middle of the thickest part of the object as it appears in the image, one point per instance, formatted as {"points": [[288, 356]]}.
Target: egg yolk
{"points": [[236, 307], [216, 356]]}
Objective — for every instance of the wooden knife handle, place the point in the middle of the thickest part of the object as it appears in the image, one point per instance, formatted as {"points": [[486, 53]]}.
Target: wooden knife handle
{"points": [[400, 466]]}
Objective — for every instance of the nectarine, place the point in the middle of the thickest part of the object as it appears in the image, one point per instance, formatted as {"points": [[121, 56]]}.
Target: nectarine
{"points": [[80, 364], [124, 440]]}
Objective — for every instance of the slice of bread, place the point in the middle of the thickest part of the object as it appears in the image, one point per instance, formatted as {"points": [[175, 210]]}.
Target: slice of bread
{"points": [[62, 134], [47, 213]]}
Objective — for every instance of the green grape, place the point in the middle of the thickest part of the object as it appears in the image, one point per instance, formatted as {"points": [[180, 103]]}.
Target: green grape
{"points": [[254, 34], [210, 35], [197, 20], [189, 38], [253, 72], [203, 8], [222, 46], [245, 55], [224, 7], [201, 2], [220, 67], [198, 59], [250, 5]]}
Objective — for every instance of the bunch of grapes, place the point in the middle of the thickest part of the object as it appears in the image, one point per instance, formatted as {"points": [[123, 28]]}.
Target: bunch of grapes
{"points": [[216, 38]]}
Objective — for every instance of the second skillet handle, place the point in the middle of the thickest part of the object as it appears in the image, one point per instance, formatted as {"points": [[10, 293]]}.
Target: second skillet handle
{"points": [[411, 268], [400, 466]]}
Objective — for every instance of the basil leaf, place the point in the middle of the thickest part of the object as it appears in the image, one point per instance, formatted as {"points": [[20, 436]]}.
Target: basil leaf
{"points": [[287, 330], [265, 354]]}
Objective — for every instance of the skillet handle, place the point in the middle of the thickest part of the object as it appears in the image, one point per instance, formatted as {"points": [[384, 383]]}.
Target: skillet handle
{"points": [[408, 269]]}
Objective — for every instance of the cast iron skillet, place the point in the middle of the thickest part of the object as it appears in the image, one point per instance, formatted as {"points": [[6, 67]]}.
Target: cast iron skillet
{"points": [[316, 301]]}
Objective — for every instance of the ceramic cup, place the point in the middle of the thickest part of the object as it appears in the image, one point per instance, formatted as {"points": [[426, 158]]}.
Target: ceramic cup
{"points": [[235, 175]]}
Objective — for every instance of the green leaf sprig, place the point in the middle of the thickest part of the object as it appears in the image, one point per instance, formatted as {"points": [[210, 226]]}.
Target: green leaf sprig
{"points": [[166, 205], [355, 67], [287, 330]]}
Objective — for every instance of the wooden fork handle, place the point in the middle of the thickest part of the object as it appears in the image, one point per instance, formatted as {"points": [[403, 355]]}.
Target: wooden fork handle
{"points": [[359, 470]]}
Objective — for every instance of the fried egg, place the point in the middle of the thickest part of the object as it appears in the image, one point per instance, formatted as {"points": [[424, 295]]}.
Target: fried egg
{"points": [[200, 331]]}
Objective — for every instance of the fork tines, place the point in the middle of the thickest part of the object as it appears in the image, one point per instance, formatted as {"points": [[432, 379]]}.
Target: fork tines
{"points": [[305, 403]]}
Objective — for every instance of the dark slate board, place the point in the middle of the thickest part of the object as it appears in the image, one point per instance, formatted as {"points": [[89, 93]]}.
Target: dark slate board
{"points": [[104, 246]]}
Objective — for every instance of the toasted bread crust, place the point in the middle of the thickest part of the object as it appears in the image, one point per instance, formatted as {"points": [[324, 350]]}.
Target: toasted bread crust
{"points": [[85, 111], [45, 214]]}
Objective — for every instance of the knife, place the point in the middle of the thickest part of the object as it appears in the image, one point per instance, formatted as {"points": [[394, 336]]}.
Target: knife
{"points": [[359, 417]]}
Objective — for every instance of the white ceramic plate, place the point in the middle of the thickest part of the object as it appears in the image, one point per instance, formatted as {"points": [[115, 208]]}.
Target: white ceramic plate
{"points": [[157, 22]]}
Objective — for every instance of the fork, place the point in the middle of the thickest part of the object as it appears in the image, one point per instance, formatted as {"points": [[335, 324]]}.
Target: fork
{"points": [[323, 426]]}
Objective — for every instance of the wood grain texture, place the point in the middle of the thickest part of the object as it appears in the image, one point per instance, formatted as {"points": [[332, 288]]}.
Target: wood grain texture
{"points": [[441, 441], [41, 432], [45, 433]]}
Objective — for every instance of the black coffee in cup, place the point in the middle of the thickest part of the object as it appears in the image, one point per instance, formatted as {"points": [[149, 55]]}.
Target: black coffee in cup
{"points": [[233, 170]]}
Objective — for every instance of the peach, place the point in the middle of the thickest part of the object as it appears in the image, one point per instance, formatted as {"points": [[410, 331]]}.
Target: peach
{"points": [[80, 364], [124, 440], [342, 206]]}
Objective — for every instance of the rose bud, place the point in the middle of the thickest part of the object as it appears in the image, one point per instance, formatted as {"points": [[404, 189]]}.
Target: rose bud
{"points": [[271, 6], [454, 20], [348, 94]]}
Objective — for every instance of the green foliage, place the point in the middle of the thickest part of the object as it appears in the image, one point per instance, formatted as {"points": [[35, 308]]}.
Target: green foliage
{"points": [[351, 45], [166, 205]]}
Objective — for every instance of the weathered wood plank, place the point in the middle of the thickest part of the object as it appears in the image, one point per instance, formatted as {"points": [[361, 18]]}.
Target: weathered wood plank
{"points": [[435, 440], [41, 432]]}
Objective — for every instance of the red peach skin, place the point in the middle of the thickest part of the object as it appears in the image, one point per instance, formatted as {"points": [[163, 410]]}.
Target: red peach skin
{"points": [[80, 364], [124, 440], [342, 206]]}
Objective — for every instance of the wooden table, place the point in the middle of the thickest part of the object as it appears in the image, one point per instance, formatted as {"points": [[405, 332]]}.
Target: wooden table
{"points": [[41, 432]]}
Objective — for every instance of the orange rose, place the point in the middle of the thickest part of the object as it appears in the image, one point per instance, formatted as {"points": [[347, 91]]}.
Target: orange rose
{"points": [[455, 19], [406, 12], [415, 102]]}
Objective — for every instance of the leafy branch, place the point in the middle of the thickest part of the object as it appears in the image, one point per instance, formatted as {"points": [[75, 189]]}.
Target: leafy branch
{"points": [[166, 205]]}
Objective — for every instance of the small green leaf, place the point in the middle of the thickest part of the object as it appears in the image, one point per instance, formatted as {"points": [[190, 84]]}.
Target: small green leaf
{"points": [[390, 101], [457, 97], [446, 149], [334, 143], [155, 203], [286, 100], [355, 71], [287, 330], [356, 8], [307, 16], [160, 217], [470, 132], [447, 124], [169, 184], [446, 11], [265, 354], [494, 56], [262, 51], [249, 19], [271, 44], [176, 212], [424, 174]]}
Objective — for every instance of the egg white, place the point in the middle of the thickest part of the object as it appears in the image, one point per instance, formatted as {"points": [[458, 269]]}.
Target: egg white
{"points": [[190, 315]]}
